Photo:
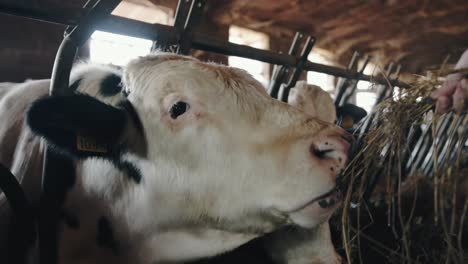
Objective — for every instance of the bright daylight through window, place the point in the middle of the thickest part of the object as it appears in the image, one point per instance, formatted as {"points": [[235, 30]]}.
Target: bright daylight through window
{"points": [[243, 36], [119, 49], [325, 81], [365, 91]]}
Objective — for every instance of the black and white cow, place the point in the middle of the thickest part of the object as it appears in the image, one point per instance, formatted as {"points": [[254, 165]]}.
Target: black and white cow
{"points": [[19, 148], [197, 160]]}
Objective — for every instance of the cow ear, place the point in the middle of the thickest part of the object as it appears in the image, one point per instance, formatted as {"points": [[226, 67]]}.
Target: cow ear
{"points": [[355, 112], [78, 124]]}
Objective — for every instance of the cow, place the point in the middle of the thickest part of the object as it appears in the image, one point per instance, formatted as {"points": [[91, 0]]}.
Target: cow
{"points": [[5, 87], [313, 100], [299, 245], [292, 244], [19, 148], [195, 161]]}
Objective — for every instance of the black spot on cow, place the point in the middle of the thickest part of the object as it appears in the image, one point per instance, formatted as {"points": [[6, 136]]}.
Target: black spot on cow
{"points": [[111, 85], [129, 169], [130, 110], [105, 235]]}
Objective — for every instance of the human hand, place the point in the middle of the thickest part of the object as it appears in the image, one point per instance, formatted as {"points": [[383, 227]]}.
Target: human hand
{"points": [[454, 91]]}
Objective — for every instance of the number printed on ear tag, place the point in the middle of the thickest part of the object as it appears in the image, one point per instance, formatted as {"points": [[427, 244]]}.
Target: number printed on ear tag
{"points": [[89, 145]]}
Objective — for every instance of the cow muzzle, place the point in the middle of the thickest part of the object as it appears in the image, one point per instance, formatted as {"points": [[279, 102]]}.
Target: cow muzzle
{"points": [[332, 151]]}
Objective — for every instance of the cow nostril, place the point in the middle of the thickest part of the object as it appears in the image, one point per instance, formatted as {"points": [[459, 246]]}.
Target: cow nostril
{"points": [[321, 154]]}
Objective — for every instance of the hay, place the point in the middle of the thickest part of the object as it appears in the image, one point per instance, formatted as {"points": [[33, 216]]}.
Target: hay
{"points": [[388, 179]]}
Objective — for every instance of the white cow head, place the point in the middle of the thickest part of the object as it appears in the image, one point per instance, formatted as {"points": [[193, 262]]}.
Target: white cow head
{"points": [[198, 152], [313, 100]]}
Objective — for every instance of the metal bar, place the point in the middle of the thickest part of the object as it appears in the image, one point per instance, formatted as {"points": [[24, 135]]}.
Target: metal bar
{"points": [[57, 168], [309, 44], [80, 33], [22, 231], [439, 138], [443, 151], [343, 83], [280, 72], [52, 188], [86, 7], [134, 28], [351, 91], [208, 43], [424, 148], [383, 88], [183, 7], [193, 19], [299, 68], [424, 145], [204, 42], [418, 146], [164, 43], [52, 15], [443, 145], [396, 75]]}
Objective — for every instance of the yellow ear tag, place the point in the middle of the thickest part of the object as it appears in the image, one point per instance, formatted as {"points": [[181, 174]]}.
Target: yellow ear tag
{"points": [[89, 145]]}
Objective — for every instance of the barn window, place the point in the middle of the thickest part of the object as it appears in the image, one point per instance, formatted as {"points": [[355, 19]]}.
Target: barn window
{"points": [[116, 49], [243, 36], [325, 81], [119, 49]]}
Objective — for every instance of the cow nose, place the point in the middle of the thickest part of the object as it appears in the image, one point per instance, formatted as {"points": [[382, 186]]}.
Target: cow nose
{"points": [[333, 149]]}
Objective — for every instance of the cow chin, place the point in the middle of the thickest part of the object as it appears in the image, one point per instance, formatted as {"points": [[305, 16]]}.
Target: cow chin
{"points": [[317, 211], [193, 243]]}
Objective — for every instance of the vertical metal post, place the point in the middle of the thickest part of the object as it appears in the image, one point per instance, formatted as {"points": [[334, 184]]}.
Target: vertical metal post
{"points": [[342, 82], [22, 231], [350, 92], [58, 170], [281, 72], [382, 90], [284, 94], [193, 19], [166, 44]]}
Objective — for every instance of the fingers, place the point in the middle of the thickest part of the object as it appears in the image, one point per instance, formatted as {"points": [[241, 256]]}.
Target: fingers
{"points": [[460, 96], [454, 92], [447, 89], [443, 104]]}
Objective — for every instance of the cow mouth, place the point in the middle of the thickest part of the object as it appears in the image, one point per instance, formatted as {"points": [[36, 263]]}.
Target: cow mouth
{"points": [[325, 201]]}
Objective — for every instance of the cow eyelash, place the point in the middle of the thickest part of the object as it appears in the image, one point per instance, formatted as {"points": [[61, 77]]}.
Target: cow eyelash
{"points": [[178, 109]]}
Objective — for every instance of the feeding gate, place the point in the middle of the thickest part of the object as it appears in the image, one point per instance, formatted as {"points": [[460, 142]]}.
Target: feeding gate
{"points": [[183, 37]]}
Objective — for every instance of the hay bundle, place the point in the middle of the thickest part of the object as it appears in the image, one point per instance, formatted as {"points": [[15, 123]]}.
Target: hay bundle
{"points": [[407, 184]]}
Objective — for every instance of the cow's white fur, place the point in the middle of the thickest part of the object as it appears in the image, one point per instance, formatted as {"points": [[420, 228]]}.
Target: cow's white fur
{"points": [[19, 149], [230, 169], [91, 76], [299, 245], [313, 100]]}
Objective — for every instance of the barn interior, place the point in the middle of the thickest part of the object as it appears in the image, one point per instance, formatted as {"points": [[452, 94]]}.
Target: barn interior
{"points": [[406, 38], [417, 35]]}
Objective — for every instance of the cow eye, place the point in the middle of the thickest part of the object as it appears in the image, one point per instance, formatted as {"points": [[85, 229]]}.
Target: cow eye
{"points": [[178, 109]]}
